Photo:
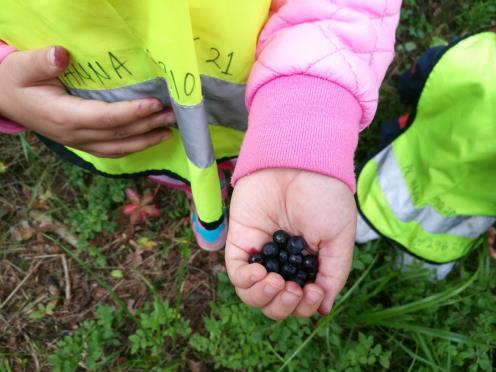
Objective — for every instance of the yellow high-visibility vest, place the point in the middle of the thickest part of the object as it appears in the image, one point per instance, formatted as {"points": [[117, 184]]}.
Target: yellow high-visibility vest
{"points": [[433, 189], [195, 56]]}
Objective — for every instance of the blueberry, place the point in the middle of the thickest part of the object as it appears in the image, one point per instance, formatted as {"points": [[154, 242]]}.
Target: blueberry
{"points": [[300, 282], [295, 260], [272, 265], [280, 237], [296, 244], [310, 263], [288, 270], [301, 275], [283, 256], [311, 276], [270, 250], [255, 258]]}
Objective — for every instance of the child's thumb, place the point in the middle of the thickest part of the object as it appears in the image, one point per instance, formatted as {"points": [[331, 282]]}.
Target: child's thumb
{"points": [[41, 64]]}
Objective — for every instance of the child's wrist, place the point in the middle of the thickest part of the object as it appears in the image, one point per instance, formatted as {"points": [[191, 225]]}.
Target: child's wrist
{"points": [[302, 122], [7, 126]]}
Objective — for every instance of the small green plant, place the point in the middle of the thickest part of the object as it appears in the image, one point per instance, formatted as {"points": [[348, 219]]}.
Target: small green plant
{"points": [[43, 310], [477, 15], [90, 215], [158, 334], [159, 328], [92, 345]]}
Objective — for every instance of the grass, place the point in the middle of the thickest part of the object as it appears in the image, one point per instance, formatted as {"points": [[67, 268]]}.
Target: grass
{"points": [[82, 290]]}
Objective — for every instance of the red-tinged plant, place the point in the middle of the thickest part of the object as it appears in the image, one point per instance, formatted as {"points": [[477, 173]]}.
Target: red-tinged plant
{"points": [[139, 209]]}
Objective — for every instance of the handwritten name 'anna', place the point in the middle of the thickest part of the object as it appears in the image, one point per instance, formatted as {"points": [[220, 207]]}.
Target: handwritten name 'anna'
{"points": [[78, 74]]}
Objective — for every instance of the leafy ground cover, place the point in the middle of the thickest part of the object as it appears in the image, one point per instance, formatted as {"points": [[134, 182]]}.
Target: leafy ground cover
{"points": [[83, 289]]}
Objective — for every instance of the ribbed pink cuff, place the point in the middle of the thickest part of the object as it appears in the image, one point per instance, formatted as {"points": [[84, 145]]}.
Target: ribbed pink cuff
{"points": [[302, 122], [7, 126]]}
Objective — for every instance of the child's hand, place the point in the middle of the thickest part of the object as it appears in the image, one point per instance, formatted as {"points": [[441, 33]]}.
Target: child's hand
{"points": [[319, 208], [31, 95]]}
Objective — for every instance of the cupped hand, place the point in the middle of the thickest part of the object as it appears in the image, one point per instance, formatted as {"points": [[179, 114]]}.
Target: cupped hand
{"points": [[319, 208], [31, 95]]}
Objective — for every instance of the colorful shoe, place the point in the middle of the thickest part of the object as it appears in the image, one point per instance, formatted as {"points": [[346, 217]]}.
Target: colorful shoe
{"points": [[209, 240]]}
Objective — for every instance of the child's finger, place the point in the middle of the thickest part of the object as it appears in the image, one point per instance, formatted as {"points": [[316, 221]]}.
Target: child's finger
{"points": [[120, 148], [93, 114], [244, 275], [261, 293], [142, 126], [36, 65], [334, 266], [241, 241], [284, 303], [312, 298]]}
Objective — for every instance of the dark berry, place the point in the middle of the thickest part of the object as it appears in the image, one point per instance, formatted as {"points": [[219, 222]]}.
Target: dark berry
{"points": [[272, 265], [296, 245], [283, 256], [295, 260], [310, 263], [302, 275], [280, 237], [270, 250], [311, 276], [300, 282], [255, 258], [288, 270]]}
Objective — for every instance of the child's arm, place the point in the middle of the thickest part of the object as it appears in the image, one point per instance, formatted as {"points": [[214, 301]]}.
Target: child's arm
{"points": [[31, 95], [314, 86], [7, 126]]}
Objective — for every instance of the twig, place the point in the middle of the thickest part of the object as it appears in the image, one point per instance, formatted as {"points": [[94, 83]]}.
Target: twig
{"points": [[33, 351], [41, 256], [50, 224], [67, 278], [20, 285]]}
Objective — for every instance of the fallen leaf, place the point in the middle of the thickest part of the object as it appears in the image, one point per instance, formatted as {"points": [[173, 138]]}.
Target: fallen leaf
{"points": [[116, 274], [22, 232]]}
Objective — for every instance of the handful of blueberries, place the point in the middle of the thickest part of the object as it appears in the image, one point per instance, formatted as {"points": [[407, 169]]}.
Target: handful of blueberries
{"points": [[284, 255]]}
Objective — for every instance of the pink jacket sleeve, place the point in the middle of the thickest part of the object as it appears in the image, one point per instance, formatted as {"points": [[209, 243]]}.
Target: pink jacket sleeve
{"points": [[315, 84], [7, 126]]}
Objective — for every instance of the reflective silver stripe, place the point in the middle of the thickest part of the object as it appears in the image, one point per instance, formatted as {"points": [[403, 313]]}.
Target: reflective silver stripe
{"points": [[396, 192], [192, 123], [224, 101]]}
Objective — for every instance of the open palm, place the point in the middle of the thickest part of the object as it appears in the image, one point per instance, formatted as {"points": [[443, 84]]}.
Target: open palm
{"points": [[317, 207]]}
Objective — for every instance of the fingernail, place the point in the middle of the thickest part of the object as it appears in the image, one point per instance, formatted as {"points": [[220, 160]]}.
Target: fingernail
{"points": [[52, 59], [314, 297], [270, 290], [57, 56], [156, 106], [169, 116], [289, 298]]}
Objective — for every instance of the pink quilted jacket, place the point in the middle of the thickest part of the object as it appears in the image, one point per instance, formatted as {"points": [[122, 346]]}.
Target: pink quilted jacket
{"points": [[314, 84]]}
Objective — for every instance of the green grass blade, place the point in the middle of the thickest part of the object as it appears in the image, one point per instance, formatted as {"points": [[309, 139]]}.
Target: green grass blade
{"points": [[433, 332], [432, 301], [336, 310], [415, 356]]}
